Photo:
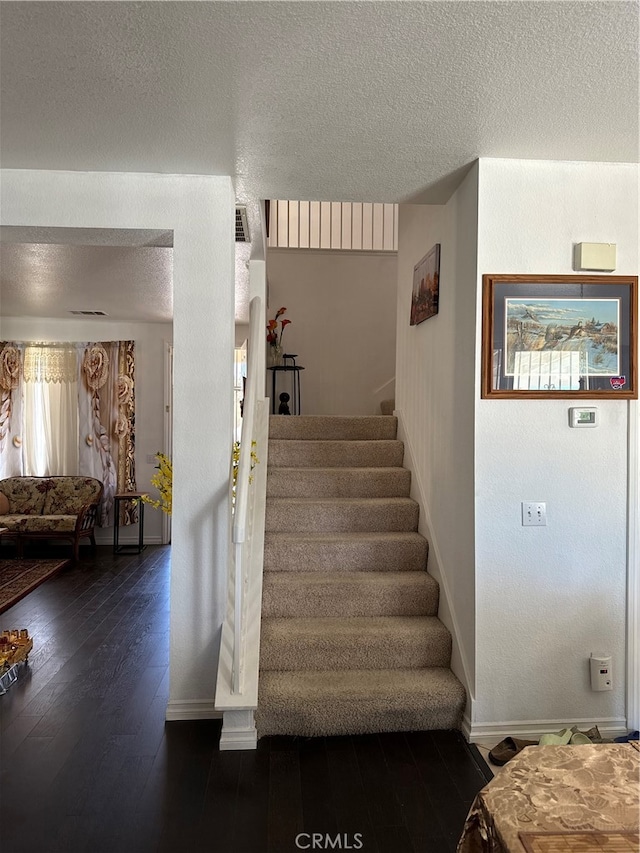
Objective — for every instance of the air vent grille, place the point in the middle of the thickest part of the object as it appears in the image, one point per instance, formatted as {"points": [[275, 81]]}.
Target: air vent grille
{"points": [[90, 313], [242, 228]]}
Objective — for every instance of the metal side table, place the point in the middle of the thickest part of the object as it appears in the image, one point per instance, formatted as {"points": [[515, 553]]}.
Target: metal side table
{"points": [[128, 549], [289, 366]]}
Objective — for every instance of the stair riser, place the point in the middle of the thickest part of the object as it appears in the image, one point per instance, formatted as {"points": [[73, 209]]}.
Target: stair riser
{"points": [[335, 454], [309, 428], [338, 483], [366, 650], [330, 719], [348, 599], [291, 555], [283, 515]]}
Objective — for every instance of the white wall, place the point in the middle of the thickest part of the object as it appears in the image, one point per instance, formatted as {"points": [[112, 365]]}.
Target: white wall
{"points": [[200, 211], [434, 398], [342, 307], [241, 333], [547, 597], [150, 340]]}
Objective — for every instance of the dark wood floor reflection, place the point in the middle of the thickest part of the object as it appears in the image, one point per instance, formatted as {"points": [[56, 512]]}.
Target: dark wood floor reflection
{"points": [[88, 763]]}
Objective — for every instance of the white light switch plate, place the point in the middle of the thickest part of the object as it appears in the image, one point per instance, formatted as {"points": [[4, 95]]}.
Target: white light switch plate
{"points": [[534, 514]]}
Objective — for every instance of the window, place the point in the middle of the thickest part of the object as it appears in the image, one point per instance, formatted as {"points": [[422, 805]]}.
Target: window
{"points": [[239, 378], [50, 439], [359, 226]]}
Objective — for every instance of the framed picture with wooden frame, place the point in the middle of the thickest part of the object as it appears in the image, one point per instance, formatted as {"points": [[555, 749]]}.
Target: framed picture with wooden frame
{"points": [[562, 336], [426, 287]]}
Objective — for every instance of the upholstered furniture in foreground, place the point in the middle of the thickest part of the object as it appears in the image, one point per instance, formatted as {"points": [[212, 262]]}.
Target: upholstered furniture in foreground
{"points": [[559, 798], [49, 508]]}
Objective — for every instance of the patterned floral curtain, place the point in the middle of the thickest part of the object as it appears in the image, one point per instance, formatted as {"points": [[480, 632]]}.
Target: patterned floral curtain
{"points": [[11, 396], [107, 421], [106, 416]]}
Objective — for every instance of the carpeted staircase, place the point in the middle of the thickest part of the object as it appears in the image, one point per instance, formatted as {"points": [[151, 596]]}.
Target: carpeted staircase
{"points": [[351, 642]]}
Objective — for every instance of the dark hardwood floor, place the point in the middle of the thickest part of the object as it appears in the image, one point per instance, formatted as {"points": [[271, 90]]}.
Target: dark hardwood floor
{"points": [[89, 764]]}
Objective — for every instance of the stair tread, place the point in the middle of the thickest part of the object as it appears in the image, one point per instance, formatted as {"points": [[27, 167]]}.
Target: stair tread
{"points": [[328, 469], [340, 578], [385, 683], [338, 513], [333, 625], [356, 593], [337, 536], [332, 453], [353, 642], [338, 482], [339, 442], [396, 500], [337, 702], [334, 551], [308, 427]]}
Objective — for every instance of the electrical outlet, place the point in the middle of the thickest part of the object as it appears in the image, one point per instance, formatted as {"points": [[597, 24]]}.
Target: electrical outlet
{"points": [[534, 514]]}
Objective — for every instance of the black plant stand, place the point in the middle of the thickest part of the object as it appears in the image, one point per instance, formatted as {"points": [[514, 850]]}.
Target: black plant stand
{"points": [[128, 549], [294, 369]]}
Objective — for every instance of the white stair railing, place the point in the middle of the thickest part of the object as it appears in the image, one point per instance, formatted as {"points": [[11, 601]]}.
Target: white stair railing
{"points": [[237, 682]]}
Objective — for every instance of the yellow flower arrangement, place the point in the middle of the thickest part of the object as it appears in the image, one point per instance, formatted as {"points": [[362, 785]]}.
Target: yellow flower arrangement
{"points": [[236, 462], [163, 481]]}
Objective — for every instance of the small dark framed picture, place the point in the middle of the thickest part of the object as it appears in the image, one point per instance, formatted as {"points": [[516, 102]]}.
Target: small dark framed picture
{"points": [[426, 285], [547, 336]]}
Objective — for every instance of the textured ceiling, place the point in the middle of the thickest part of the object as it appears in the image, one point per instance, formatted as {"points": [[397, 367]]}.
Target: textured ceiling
{"points": [[47, 280], [382, 101], [123, 237], [316, 100]]}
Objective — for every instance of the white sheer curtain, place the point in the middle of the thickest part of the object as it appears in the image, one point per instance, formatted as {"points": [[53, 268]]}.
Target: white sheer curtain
{"points": [[50, 443]]}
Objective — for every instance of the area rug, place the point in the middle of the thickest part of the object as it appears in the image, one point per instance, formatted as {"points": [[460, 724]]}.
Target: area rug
{"points": [[20, 577]]}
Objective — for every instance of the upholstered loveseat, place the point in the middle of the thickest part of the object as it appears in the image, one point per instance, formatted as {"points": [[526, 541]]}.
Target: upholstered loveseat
{"points": [[49, 508]]}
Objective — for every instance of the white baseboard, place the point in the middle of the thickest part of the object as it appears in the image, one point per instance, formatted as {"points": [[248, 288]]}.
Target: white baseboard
{"points": [[488, 734], [192, 709]]}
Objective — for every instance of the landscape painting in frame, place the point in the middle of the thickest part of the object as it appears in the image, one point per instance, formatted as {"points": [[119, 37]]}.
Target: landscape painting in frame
{"points": [[559, 336], [426, 284], [588, 328]]}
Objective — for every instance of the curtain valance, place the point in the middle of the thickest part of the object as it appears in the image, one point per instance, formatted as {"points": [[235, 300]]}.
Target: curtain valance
{"points": [[50, 363]]}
